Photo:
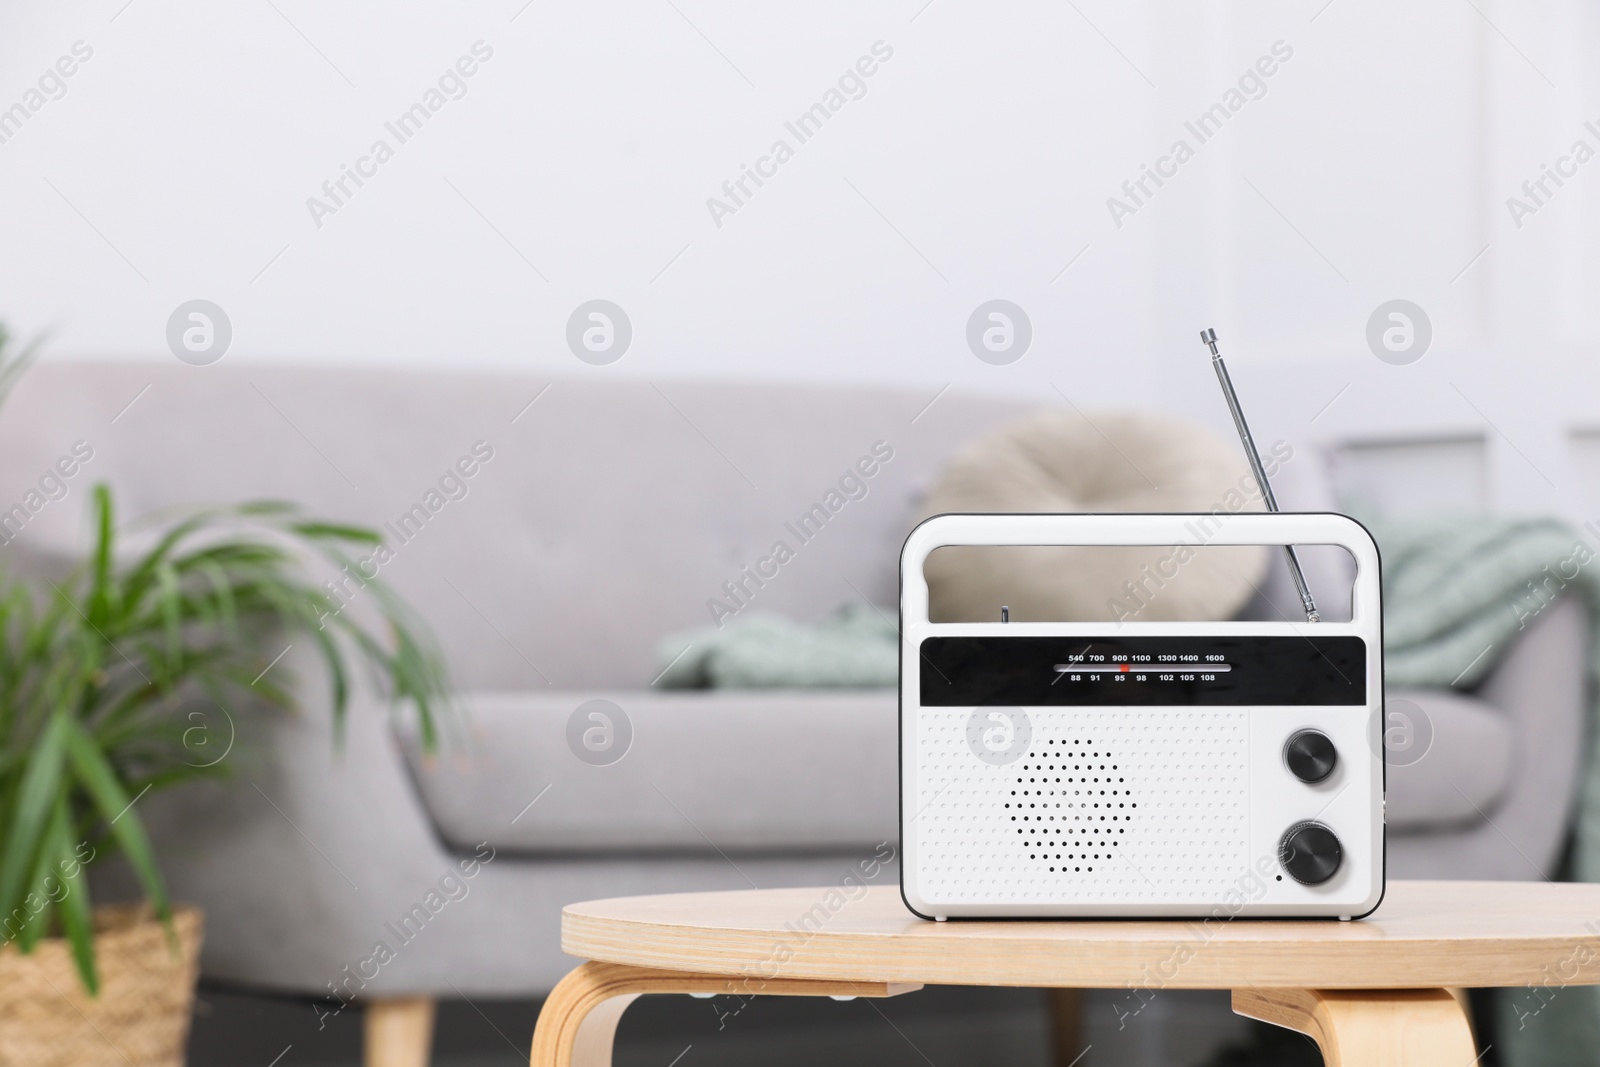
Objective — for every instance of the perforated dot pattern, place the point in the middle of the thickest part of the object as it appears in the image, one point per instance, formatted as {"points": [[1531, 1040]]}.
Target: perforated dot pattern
{"points": [[1101, 807]]}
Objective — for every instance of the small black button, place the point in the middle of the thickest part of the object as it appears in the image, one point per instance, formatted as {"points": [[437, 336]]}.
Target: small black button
{"points": [[1310, 755], [1310, 853]]}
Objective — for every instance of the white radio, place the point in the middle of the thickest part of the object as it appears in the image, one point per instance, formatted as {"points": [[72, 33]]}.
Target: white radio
{"points": [[1156, 769]]}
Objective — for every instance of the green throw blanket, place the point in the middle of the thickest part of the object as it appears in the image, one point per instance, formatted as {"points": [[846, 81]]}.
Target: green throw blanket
{"points": [[1456, 593], [857, 647]]}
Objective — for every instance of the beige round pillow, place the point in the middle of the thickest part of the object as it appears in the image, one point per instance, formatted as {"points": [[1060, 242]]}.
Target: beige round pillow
{"points": [[1062, 462]]}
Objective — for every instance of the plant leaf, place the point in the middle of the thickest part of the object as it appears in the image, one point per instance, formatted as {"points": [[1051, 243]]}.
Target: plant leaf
{"points": [[122, 822], [136, 579], [337, 532], [100, 589], [267, 507], [73, 906], [13, 365], [171, 614], [38, 789], [33, 929]]}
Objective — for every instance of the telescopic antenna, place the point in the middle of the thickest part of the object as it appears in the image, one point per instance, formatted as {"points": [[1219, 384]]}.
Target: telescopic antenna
{"points": [[1209, 337]]}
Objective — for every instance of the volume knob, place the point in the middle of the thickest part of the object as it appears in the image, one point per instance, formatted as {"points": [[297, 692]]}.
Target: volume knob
{"points": [[1310, 852], [1310, 756]]}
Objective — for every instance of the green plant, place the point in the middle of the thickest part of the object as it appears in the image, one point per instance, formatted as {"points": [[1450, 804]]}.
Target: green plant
{"points": [[95, 667]]}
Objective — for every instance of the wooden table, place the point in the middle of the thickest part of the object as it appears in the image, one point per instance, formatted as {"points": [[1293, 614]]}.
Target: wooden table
{"points": [[1385, 990]]}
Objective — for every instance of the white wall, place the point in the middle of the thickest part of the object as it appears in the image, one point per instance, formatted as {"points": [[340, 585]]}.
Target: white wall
{"points": [[977, 165]]}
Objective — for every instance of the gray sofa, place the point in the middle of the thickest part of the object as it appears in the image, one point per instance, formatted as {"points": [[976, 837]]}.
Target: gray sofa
{"points": [[609, 515]]}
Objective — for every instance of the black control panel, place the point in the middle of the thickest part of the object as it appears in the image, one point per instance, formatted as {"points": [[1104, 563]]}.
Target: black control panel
{"points": [[1087, 671]]}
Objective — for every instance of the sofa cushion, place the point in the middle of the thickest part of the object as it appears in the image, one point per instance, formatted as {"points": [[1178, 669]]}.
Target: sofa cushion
{"points": [[735, 771], [1453, 766], [1058, 461], [756, 771]]}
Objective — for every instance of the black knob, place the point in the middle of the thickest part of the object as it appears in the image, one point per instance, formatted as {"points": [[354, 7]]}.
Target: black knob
{"points": [[1310, 853], [1310, 755]]}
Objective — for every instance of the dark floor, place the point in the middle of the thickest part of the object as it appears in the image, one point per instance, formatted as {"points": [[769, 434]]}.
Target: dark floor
{"points": [[942, 1027]]}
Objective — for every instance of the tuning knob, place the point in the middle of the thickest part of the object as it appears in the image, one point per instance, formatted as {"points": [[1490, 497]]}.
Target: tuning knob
{"points": [[1310, 755], [1310, 852]]}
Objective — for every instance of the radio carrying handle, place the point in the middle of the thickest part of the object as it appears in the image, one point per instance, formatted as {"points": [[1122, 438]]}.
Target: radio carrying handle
{"points": [[1145, 528]]}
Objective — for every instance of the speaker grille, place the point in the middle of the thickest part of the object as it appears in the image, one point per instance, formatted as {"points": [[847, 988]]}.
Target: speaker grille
{"points": [[1070, 804], [1147, 806]]}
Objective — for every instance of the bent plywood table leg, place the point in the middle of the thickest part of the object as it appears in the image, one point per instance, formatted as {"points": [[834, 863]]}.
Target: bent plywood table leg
{"points": [[579, 1019], [1370, 1027]]}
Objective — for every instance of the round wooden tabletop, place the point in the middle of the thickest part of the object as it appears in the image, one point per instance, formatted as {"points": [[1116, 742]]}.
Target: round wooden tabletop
{"points": [[1423, 935]]}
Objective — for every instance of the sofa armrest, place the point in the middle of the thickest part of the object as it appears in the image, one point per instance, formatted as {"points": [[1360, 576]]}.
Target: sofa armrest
{"points": [[309, 847], [1542, 685]]}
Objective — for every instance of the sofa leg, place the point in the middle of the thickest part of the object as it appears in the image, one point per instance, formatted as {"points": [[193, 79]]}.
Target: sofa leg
{"points": [[1066, 1025], [399, 1032]]}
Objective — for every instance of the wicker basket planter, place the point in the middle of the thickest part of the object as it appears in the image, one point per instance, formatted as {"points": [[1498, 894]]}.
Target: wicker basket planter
{"points": [[140, 1018]]}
